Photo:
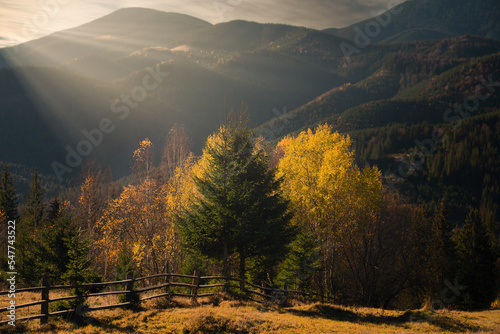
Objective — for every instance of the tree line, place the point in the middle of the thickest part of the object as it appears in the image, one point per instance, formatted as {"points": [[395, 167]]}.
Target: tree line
{"points": [[300, 215]]}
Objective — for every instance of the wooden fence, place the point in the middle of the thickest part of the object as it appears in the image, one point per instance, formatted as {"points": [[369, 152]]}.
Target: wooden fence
{"points": [[133, 293]]}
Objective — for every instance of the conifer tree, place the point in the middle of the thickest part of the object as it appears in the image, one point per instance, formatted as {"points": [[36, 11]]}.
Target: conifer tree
{"points": [[54, 210], [78, 267], [8, 198], [35, 206], [441, 250], [475, 262], [241, 209]]}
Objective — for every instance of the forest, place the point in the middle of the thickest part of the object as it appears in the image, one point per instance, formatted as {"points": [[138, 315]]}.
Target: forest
{"points": [[303, 214]]}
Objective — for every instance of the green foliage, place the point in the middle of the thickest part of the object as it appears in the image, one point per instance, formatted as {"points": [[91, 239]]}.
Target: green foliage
{"points": [[27, 254], [78, 269], [459, 164], [54, 248], [476, 263], [8, 197], [241, 209], [301, 262], [441, 249], [125, 268], [195, 262], [35, 206], [126, 265]]}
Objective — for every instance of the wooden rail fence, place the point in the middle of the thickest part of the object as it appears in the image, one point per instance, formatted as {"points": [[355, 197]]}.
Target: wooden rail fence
{"points": [[133, 294]]}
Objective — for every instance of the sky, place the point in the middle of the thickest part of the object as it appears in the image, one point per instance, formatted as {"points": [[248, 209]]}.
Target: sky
{"points": [[23, 20]]}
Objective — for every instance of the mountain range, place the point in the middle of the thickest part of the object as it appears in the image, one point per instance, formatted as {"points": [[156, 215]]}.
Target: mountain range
{"points": [[136, 72]]}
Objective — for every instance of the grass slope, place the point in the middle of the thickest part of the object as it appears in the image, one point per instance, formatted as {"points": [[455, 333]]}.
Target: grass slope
{"points": [[237, 317]]}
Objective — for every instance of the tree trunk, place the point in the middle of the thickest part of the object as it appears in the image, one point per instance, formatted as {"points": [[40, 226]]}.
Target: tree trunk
{"points": [[225, 274], [242, 270]]}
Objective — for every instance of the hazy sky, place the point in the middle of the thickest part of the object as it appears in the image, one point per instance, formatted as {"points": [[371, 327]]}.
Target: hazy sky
{"points": [[22, 20]]}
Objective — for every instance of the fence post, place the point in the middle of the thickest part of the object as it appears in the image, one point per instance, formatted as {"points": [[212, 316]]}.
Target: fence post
{"points": [[45, 298], [167, 287], [226, 285], [195, 283], [242, 285], [130, 289]]}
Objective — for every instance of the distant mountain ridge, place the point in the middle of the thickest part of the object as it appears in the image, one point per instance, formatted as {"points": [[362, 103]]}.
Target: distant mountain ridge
{"points": [[56, 87], [117, 34], [416, 20]]}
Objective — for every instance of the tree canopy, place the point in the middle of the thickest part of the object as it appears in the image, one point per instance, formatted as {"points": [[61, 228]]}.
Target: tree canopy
{"points": [[240, 208]]}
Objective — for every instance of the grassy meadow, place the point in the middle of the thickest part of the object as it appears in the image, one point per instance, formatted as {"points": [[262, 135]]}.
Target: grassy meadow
{"points": [[180, 316]]}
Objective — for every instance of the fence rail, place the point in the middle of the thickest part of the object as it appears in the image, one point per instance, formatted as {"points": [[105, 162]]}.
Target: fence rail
{"points": [[266, 293]]}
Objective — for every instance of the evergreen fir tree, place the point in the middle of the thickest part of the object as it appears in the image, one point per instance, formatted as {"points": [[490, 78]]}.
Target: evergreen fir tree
{"points": [[441, 249], [476, 263], [241, 210], [8, 198], [35, 206], [301, 262], [54, 210]]}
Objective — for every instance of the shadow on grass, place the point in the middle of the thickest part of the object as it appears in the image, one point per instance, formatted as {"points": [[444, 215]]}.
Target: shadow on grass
{"points": [[339, 314], [108, 325]]}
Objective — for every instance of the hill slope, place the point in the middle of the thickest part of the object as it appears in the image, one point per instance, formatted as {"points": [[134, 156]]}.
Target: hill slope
{"points": [[117, 34], [401, 67], [426, 19], [39, 122]]}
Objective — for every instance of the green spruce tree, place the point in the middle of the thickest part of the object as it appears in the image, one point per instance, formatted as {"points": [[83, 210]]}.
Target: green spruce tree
{"points": [[35, 206], [301, 262], [475, 262], [242, 210], [442, 251], [8, 197]]}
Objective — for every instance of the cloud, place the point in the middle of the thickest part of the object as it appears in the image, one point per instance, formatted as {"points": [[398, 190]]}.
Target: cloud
{"points": [[22, 20]]}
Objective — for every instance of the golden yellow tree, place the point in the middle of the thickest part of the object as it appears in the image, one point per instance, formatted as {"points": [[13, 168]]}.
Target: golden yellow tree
{"points": [[90, 203], [331, 196], [141, 219], [144, 158]]}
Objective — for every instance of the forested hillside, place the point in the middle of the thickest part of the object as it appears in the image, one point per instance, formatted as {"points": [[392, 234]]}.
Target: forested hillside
{"points": [[427, 19]]}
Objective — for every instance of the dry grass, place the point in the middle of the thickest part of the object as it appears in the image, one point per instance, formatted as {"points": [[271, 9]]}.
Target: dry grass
{"points": [[178, 316]]}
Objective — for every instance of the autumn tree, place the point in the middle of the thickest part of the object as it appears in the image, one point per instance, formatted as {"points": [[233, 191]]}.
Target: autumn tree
{"points": [[381, 263], [330, 195], [143, 160], [139, 221], [240, 209], [177, 149], [92, 200]]}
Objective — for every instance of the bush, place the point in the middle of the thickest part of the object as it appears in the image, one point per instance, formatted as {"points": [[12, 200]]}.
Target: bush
{"points": [[211, 323]]}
